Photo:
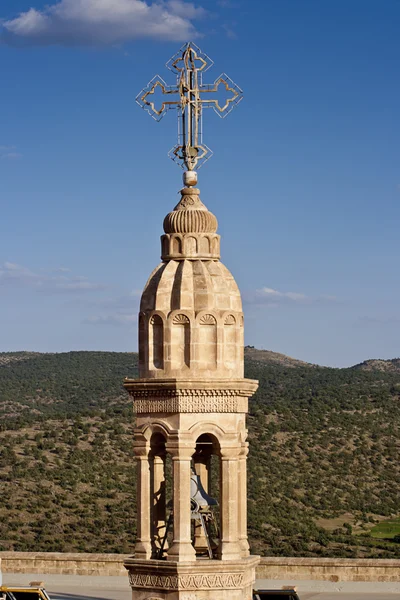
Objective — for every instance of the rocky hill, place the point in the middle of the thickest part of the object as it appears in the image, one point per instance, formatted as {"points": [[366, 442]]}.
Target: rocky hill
{"points": [[391, 366], [323, 465], [273, 358]]}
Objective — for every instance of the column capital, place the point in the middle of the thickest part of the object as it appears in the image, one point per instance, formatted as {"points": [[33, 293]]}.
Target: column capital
{"points": [[179, 452], [230, 452], [244, 450], [141, 449], [180, 448]]}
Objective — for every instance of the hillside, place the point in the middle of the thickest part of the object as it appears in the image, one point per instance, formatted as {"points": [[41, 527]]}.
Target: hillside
{"points": [[323, 462], [273, 358], [392, 365]]}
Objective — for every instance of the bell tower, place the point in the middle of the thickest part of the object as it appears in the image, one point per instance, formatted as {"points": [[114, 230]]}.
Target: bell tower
{"points": [[191, 397]]}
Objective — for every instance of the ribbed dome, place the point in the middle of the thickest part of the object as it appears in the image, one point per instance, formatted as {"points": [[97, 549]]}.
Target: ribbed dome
{"points": [[190, 221], [190, 215], [191, 285]]}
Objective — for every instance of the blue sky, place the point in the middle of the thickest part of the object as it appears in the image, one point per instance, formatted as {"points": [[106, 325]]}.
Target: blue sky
{"points": [[305, 177]]}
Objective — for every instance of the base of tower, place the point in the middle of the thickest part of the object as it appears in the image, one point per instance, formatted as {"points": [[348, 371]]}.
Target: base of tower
{"points": [[199, 580]]}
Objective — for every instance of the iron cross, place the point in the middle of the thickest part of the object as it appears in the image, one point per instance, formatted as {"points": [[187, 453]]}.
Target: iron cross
{"points": [[191, 96]]}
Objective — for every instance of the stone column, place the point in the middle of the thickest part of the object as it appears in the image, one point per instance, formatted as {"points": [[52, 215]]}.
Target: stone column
{"points": [[143, 539], [159, 510], [181, 549], [230, 548], [242, 500]]}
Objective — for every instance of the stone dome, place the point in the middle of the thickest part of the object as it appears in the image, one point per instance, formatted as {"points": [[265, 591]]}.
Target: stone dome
{"points": [[190, 215], [192, 285], [190, 230], [191, 322]]}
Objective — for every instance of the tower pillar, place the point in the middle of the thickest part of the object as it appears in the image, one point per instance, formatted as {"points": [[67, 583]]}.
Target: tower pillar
{"points": [[143, 539], [181, 549], [230, 548], [242, 500]]}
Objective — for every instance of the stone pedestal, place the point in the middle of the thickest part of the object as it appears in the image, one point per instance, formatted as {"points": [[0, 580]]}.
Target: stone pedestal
{"points": [[197, 580]]}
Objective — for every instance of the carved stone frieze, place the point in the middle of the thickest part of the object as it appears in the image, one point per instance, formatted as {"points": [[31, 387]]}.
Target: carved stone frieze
{"points": [[199, 581], [192, 404], [137, 391]]}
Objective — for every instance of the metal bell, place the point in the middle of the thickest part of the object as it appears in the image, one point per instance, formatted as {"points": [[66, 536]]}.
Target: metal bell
{"points": [[198, 494]]}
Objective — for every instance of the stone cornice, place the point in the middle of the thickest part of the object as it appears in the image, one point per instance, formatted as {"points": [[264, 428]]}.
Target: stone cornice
{"points": [[199, 396], [142, 388]]}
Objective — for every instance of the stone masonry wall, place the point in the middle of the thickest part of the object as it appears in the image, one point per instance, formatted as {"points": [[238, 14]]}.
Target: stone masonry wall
{"points": [[320, 569]]}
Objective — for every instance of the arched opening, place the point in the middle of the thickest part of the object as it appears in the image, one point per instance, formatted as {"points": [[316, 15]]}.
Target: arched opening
{"points": [[176, 245], [204, 245], [214, 246], [180, 342], [157, 492], [165, 246], [207, 345], [205, 491], [190, 246], [156, 342], [230, 342], [142, 342]]}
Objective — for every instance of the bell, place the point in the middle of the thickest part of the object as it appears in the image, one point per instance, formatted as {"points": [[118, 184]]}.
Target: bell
{"points": [[198, 494]]}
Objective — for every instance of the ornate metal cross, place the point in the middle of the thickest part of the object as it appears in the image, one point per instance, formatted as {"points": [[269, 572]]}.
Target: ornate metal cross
{"points": [[189, 63]]}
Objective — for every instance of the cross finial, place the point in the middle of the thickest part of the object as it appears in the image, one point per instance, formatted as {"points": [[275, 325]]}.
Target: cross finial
{"points": [[191, 96]]}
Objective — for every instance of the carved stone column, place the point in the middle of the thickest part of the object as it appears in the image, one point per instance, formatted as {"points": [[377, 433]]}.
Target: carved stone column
{"points": [[242, 500], [229, 548], [143, 539], [181, 549]]}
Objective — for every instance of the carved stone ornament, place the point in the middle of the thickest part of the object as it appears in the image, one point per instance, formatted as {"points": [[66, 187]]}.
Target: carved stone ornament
{"points": [[192, 201], [188, 393], [180, 320], [155, 320], [230, 320], [192, 405], [187, 582], [208, 320]]}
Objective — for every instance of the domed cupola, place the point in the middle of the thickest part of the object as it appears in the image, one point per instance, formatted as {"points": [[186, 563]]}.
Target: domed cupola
{"points": [[190, 230], [191, 320]]}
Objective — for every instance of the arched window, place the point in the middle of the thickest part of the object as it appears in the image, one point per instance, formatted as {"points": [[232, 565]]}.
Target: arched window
{"points": [[176, 245], [230, 342], [156, 342], [180, 342], [207, 342]]}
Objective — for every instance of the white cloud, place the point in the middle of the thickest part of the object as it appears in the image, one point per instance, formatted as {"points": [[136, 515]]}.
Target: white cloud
{"points": [[9, 152], [61, 270], [270, 293], [186, 10], [379, 320], [12, 275], [91, 22], [229, 31], [273, 298], [119, 311], [79, 285]]}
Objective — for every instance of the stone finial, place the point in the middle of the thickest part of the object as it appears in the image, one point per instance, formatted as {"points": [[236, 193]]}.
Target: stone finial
{"points": [[190, 215], [190, 230]]}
